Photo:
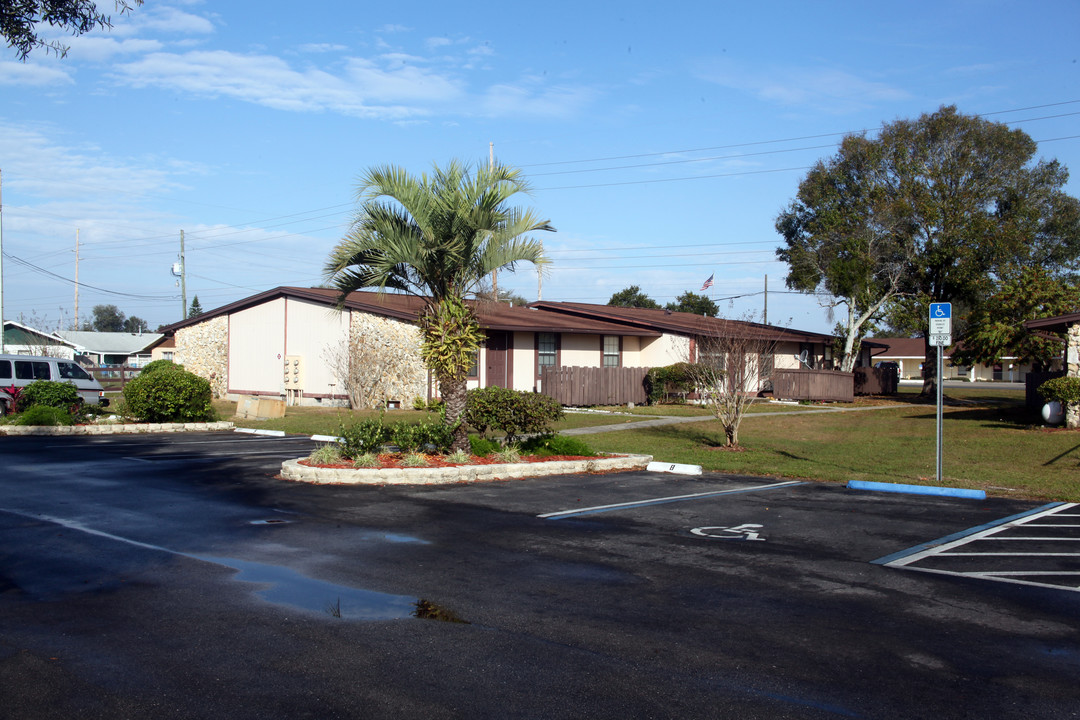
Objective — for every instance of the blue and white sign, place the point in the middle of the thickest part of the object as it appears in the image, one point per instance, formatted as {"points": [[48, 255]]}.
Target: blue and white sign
{"points": [[941, 324]]}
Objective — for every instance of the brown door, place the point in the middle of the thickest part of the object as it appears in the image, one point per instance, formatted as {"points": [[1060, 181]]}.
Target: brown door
{"points": [[498, 367]]}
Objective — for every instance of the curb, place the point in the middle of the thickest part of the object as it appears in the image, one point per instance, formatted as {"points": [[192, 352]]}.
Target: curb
{"points": [[916, 489], [116, 429], [293, 470]]}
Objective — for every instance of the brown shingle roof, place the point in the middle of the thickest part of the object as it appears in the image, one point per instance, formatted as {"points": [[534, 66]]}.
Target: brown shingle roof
{"points": [[682, 323], [492, 316]]}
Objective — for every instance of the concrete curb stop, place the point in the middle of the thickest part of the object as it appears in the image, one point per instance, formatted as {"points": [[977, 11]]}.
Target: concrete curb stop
{"points": [[677, 468], [916, 489]]}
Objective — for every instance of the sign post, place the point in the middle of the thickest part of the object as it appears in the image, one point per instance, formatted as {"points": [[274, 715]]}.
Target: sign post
{"points": [[941, 338]]}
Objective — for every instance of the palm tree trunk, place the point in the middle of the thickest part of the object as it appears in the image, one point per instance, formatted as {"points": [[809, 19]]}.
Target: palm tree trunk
{"points": [[453, 395]]}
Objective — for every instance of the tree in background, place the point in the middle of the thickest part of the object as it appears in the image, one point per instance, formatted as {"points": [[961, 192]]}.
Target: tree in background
{"points": [[995, 328], [107, 318], [952, 201], [19, 20], [438, 238], [196, 309], [690, 302], [846, 241], [633, 297], [135, 325]]}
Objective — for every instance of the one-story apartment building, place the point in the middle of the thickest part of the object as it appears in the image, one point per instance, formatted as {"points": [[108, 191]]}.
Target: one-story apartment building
{"points": [[278, 343]]}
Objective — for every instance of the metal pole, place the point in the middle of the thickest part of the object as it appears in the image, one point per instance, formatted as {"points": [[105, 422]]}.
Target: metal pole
{"points": [[183, 280], [940, 353]]}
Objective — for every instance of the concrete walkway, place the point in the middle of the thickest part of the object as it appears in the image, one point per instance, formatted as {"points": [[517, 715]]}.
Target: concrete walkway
{"points": [[676, 420]]}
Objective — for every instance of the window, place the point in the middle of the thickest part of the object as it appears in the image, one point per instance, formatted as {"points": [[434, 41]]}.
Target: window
{"points": [[166, 355], [611, 350], [765, 366], [474, 366], [5, 369], [31, 370], [546, 349], [71, 371]]}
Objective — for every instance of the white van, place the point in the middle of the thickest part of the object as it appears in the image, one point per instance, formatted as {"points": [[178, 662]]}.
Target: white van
{"points": [[21, 370]]}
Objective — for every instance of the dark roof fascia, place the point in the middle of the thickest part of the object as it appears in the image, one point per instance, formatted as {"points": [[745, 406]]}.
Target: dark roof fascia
{"points": [[650, 319], [1060, 323]]}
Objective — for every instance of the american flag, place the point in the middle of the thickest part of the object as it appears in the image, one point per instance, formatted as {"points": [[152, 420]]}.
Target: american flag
{"points": [[708, 284]]}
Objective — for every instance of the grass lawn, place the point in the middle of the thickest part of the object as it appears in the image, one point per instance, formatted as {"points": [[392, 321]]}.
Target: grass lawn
{"points": [[992, 442], [990, 447]]}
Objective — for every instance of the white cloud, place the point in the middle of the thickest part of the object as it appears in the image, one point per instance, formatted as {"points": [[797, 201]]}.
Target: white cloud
{"points": [[827, 89], [507, 100], [367, 88], [163, 19], [322, 48], [32, 73], [99, 49]]}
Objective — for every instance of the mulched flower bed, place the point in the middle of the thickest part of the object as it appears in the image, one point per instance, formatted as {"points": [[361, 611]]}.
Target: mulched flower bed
{"points": [[387, 461]]}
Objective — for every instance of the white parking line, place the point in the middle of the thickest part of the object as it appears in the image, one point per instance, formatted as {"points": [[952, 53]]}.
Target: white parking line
{"points": [[659, 501], [993, 534]]}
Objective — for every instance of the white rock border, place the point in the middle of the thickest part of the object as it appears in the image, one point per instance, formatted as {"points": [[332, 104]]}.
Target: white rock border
{"points": [[293, 470], [113, 428]]}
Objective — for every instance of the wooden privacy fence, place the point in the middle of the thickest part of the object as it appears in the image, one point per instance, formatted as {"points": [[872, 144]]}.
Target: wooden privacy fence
{"points": [[876, 381], [822, 385], [580, 386], [114, 377]]}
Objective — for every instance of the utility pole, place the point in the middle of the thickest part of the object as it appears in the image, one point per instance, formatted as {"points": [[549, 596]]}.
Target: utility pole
{"points": [[540, 277], [494, 273], [76, 278], [765, 317], [183, 280]]}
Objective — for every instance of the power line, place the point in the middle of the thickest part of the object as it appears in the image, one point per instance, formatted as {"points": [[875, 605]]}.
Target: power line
{"points": [[47, 273]]}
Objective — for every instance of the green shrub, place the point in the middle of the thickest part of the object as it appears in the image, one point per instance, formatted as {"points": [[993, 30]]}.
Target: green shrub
{"points": [[1065, 390], [363, 437], [660, 381], [44, 415], [169, 396], [412, 437], [550, 444], [482, 446], [510, 411], [158, 365], [50, 394]]}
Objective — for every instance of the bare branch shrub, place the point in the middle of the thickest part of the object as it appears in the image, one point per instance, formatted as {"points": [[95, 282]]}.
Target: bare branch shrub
{"points": [[731, 365], [364, 364]]}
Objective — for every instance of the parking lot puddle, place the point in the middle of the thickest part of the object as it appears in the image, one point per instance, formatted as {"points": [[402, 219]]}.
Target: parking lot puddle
{"points": [[285, 586]]}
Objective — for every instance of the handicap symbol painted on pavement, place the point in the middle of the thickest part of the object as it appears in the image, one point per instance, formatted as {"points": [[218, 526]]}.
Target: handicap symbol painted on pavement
{"points": [[746, 531]]}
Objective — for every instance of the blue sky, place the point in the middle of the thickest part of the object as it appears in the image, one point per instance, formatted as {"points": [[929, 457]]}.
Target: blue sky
{"points": [[661, 139]]}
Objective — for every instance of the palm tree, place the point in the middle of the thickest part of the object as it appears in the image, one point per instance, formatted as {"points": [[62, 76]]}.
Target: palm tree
{"points": [[438, 238]]}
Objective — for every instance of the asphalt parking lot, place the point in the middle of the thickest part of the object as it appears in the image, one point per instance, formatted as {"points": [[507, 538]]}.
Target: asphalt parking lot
{"points": [[175, 576]]}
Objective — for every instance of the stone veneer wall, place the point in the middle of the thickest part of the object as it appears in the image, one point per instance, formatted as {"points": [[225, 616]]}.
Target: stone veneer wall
{"points": [[203, 349], [1072, 369], [406, 379]]}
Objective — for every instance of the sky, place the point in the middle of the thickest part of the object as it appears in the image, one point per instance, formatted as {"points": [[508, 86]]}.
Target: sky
{"points": [[661, 140]]}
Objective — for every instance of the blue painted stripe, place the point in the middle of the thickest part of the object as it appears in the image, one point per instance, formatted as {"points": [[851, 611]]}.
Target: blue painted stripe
{"points": [[963, 534], [664, 501], [916, 489]]}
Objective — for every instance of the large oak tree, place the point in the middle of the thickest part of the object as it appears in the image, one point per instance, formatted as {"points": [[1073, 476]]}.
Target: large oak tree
{"points": [[954, 202]]}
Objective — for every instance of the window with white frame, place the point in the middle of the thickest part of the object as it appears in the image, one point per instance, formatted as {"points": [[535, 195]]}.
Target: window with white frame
{"points": [[546, 348], [611, 351]]}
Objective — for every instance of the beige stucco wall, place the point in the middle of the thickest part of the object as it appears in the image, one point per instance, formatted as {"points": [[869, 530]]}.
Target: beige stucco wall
{"points": [[524, 359], [580, 350], [664, 350], [203, 349], [257, 348], [310, 329]]}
